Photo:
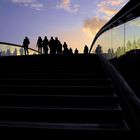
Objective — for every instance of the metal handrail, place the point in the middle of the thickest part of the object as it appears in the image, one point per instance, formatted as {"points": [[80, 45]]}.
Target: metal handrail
{"points": [[16, 45], [133, 102]]}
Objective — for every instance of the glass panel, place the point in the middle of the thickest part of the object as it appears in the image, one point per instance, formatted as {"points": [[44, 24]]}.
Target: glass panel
{"points": [[100, 41], [118, 47], [120, 40], [112, 42], [11, 50], [133, 35], [107, 41]]}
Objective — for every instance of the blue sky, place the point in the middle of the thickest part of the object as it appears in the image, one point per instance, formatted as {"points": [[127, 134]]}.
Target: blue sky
{"points": [[73, 21]]}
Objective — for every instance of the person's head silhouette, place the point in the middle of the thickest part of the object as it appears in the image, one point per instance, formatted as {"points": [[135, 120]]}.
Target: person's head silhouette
{"points": [[56, 38]]}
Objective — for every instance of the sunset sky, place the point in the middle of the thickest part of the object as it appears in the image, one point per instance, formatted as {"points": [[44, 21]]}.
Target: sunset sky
{"points": [[73, 21]]}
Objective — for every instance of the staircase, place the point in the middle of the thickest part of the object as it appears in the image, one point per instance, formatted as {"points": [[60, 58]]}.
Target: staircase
{"points": [[60, 95]]}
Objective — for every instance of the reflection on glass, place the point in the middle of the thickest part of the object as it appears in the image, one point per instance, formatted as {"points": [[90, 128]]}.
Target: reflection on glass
{"points": [[133, 35], [13, 50]]}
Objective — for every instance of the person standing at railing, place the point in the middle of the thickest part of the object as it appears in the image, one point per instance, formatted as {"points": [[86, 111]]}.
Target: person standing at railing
{"points": [[52, 46], [45, 45], [39, 44], [58, 46], [26, 43]]}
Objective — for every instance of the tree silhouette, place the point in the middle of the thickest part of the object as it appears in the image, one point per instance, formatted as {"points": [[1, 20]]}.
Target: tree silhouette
{"points": [[138, 43], [134, 45]]}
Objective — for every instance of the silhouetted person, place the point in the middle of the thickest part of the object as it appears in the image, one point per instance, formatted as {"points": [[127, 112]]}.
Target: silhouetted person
{"points": [[66, 50], [39, 44], [98, 49], [58, 46], [26, 43], [76, 51], [52, 46], [86, 50], [8, 52], [45, 45], [15, 52], [70, 51], [3, 53]]}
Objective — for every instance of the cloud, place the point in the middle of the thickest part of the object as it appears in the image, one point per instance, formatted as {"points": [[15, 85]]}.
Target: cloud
{"points": [[106, 9], [37, 6], [34, 4], [23, 1], [68, 6], [117, 2], [92, 26], [110, 7]]}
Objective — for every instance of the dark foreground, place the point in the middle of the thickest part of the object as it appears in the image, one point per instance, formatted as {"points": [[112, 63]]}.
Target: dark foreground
{"points": [[61, 96]]}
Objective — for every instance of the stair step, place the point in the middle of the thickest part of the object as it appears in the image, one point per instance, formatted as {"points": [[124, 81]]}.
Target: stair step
{"points": [[47, 64], [102, 95], [42, 114], [56, 82], [55, 69], [50, 63], [56, 90], [120, 126], [59, 93], [42, 75], [63, 101]]}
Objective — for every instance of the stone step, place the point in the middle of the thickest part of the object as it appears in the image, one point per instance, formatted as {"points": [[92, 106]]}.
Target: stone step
{"points": [[59, 114], [63, 128], [56, 82], [100, 101], [56, 90], [53, 75]]}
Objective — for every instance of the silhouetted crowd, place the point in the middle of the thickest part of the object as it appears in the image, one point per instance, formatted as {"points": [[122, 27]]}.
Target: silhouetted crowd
{"points": [[52, 46]]}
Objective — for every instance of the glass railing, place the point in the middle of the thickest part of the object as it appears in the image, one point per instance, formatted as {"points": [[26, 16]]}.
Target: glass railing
{"points": [[7, 49], [119, 40]]}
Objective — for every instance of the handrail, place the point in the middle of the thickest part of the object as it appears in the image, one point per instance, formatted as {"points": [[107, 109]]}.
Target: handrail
{"points": [[126, 92], [120, 18], [16, 45]]}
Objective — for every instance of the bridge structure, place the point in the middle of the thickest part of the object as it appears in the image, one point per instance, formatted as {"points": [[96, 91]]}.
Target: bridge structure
{"points": [[68, 95]]}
